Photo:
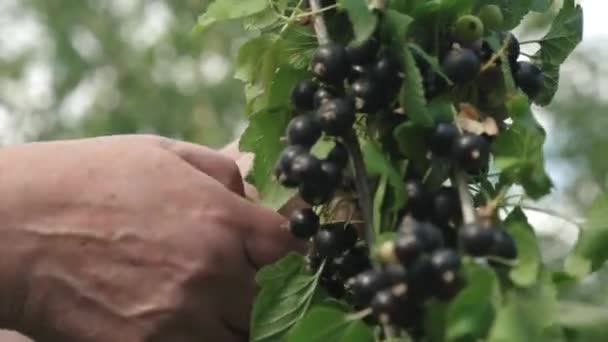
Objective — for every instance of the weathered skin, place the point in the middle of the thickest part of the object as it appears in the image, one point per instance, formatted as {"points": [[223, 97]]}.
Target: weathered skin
{"points": [[130, 238]]}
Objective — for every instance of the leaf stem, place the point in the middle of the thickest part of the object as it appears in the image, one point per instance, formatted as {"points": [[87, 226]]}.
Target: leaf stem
{"points": [[352, 144], [533, 41], [492, 61], [466, 201]]}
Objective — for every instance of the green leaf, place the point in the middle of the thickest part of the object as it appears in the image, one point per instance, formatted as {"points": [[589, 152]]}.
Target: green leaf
{"points": [[263, 138], [362, 19], [377, 163], [528, 266], [256, 65], [590, 251], [565, 34], [396, 26], [471, 313], [584, 322], [526, 314], [411, 139], [412, 97], [221, 10], [513, 11], [298, 46], [379, 197], [431, 60], [323, 324], [541, 6], [518, 152], [286, 292]]}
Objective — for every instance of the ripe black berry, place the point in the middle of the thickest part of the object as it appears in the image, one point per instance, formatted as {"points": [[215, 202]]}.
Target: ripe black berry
{"points": [[331, 173], [448, 286], [331, 64], [328, 243], [476, 240], [384, 305], [513, 50], [315, 193], [529, 78], [472, 153], [445, 260], [468, 28], [334, 285], [368, 95], [443, 139], [364, 53], [428, 235], [386, 71], [421, 276], [338, 155], [322, 95], [446, 206], [282, 169], [337, 116], [483, 50], [408, 248], [303, 94], [461, 65], [351, 263], [418, 199], [503, 245], [303, 130], [365, 285], [305, 168], [350, 235], [304, 223], [395, 274]]}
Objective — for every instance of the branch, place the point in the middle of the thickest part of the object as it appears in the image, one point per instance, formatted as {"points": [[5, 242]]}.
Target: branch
{"points": [[466, 201], [351, 142]]}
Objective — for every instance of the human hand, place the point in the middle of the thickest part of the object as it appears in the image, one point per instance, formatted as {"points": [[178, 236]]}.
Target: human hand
{"points": [[130, 238]]}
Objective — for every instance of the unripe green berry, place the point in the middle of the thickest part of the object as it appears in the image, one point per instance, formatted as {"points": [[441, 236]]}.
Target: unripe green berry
{"points": [[468, 29], [492, 17]]}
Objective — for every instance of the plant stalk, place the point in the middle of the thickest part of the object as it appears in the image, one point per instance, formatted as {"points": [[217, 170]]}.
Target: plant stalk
{"points": [[351, 142], [466, 201]]}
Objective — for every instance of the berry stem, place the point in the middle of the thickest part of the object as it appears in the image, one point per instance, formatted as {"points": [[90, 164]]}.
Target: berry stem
{"points": [[466, 201], [534, 41], [351, 142]]}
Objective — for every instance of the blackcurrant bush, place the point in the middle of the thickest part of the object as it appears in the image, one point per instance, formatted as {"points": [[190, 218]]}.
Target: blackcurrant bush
{"points": [[476, 240], [368, 95], [365, 285], [468, 29], [331, 174], [363, 53], [491, 16], [461, 65], [305, 168], [304, 223], [330, 63], [529, 78], [446, 206], [329, 243], [303, 130], [338, 155], [303, 95], [323, 95], [386, 70], [513, 50], [315, 193], [384, 305], [282, 169], [418, 203], [471, 153], [337, 116], [408, 248], [443, 139], [503, 245]]}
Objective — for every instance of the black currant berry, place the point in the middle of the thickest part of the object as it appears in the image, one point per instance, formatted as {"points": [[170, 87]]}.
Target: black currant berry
{"points": [[304, 223], [421, 277], [503, 245], [357, 72], [408, 248], [446, 206], [350, 236], [448, 286], [365, 285], [305, 168], [322, 95], [329, 243], [529, 78], [461, 65], [434, 84], [337, 116], [468, 29], [483, 50], [418, 203], [315, 193], [303, 130], [428, 235], [445, 260], [334, 285], [384, 305], [443, 139], [386, 70], [351, 263], [331, 64], [472, 153], [476, 240], [331, 174], [513, 50], [338, 155], [491, 16], [395, 274], [282, 169], [364, 53], [303, 95], [314, 261], [368, 95]]}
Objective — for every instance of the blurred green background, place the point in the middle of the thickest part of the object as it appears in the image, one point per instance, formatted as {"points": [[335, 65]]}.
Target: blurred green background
{"points": [[79, 68]]}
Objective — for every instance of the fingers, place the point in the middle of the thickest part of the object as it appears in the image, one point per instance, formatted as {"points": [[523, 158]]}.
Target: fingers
{"points": [[216, 165], [238, 305]]}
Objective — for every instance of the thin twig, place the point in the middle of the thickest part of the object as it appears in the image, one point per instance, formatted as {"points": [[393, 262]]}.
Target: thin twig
{"points": [[319, 23], [533, 41], [466, 201]]}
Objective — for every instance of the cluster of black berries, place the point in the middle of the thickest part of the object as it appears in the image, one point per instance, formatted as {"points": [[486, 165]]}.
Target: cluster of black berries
{"points": [[467, 151]]}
